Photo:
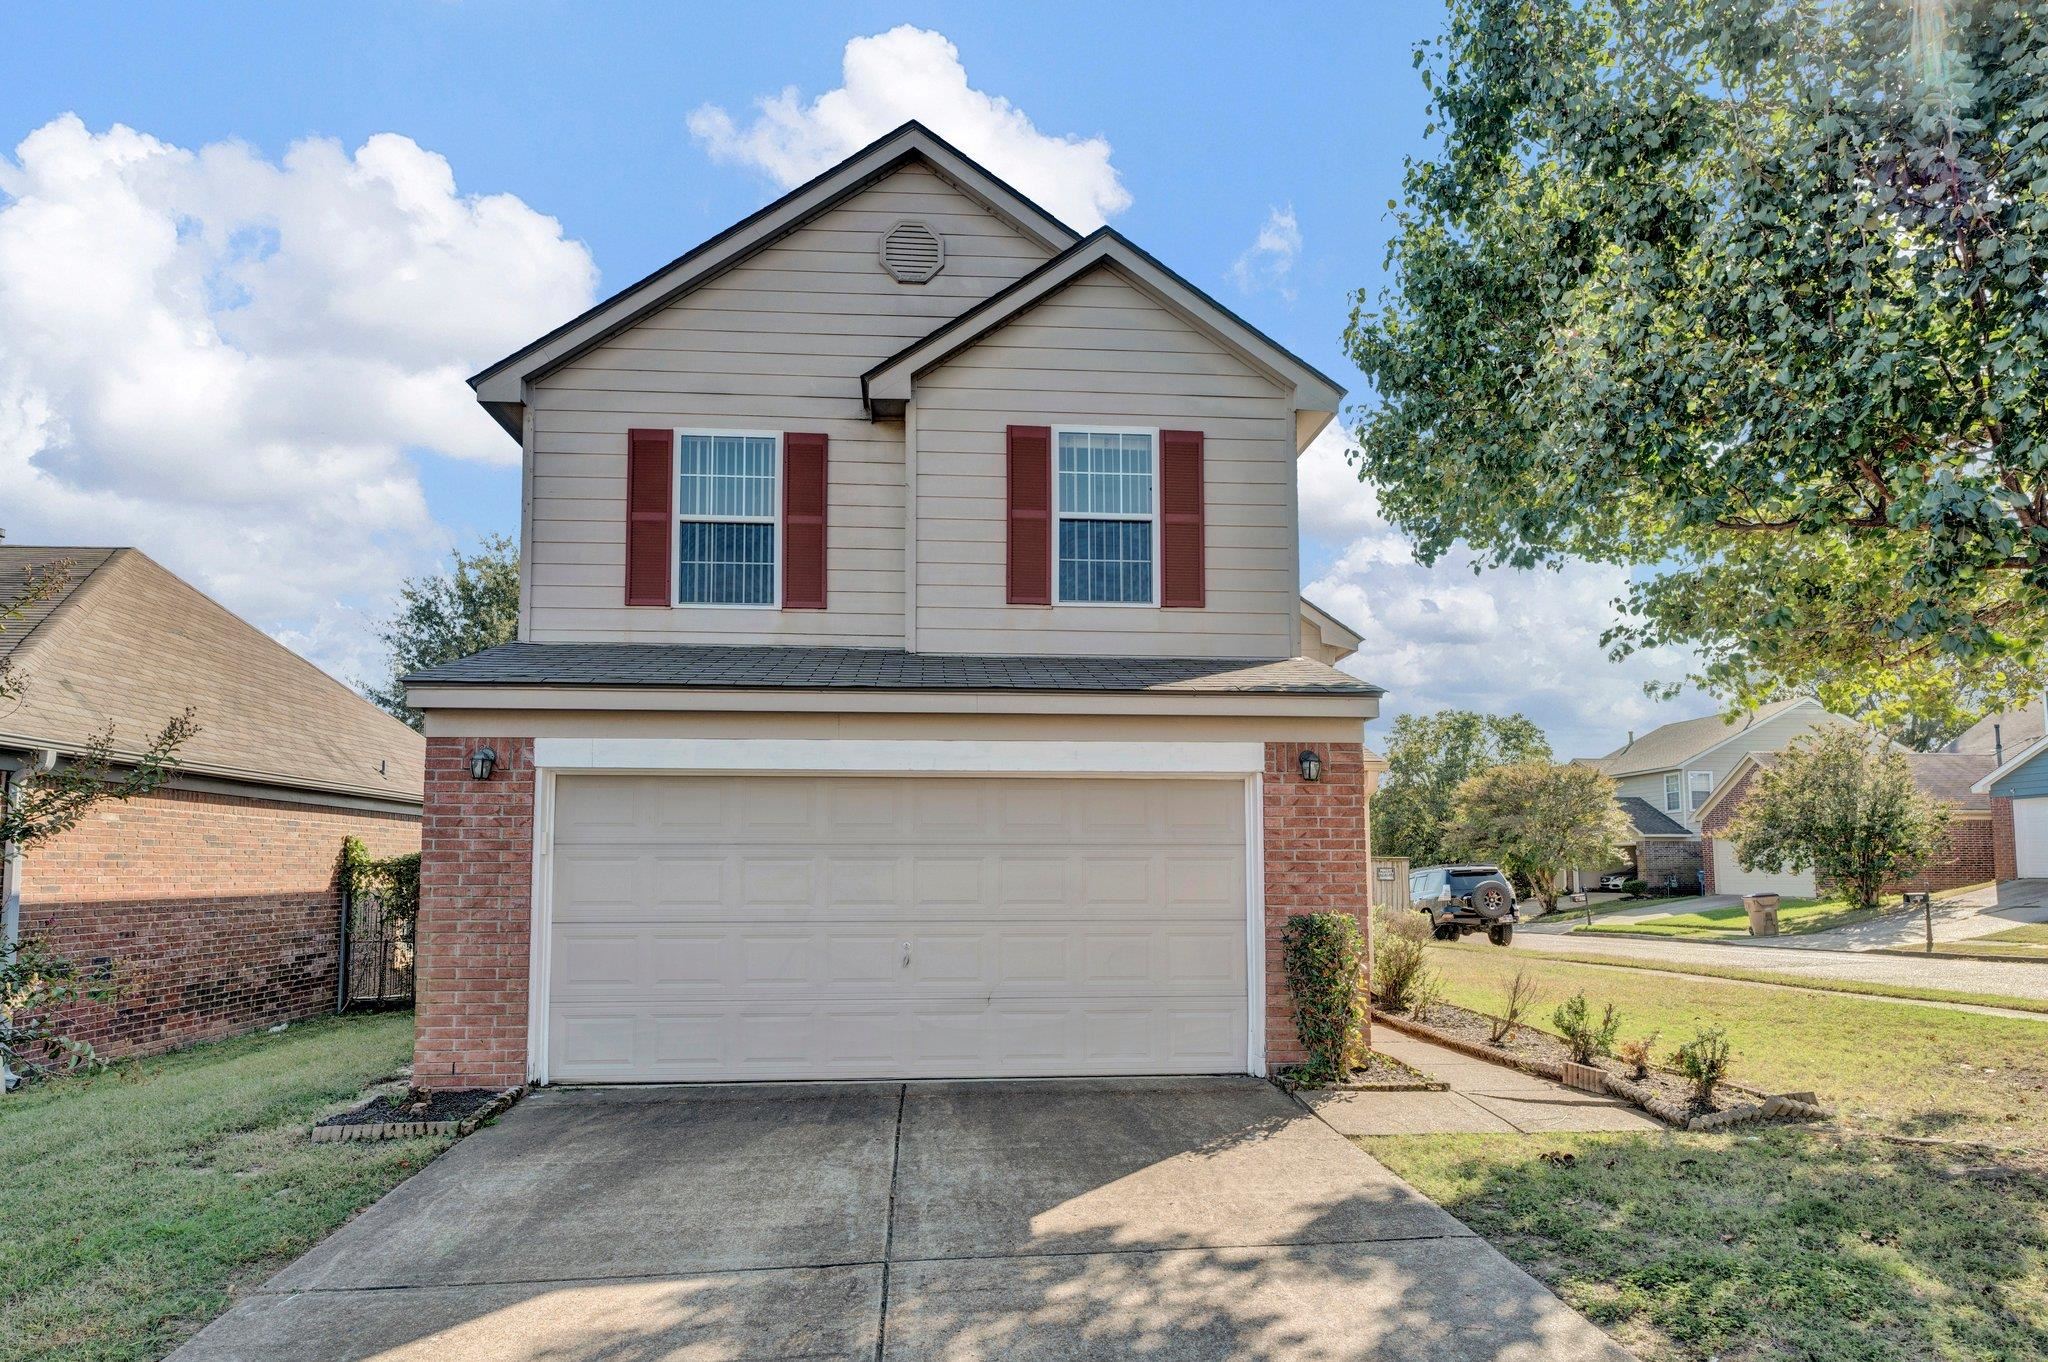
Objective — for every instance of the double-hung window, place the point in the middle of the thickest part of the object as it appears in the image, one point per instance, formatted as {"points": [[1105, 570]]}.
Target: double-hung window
{"points": [[1105, 492], [726, 531], [1673, 793], [1702, 787]]}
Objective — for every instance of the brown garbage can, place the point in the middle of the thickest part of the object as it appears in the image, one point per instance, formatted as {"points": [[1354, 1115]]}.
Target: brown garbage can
{"points": [[1763, 913]]}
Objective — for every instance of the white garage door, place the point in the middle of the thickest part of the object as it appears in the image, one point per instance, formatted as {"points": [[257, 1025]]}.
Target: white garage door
{"points": [[717, 927], [1731, 878], [2030, 837]]}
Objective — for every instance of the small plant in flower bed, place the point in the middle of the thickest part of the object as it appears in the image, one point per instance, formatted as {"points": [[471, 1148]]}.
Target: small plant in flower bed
{"points": [[1587, 1038], [1704, 1061]]}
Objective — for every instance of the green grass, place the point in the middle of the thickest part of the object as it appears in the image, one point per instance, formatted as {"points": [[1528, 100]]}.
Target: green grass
{"points": [[1567, 909], [1788, 1241], [1795, 917], [134, 1200], [2029, 942]]}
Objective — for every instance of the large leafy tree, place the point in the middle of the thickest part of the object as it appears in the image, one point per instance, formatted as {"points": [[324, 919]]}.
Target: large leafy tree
{"points": [[1751, 295], [1843, 804], [1428, 757], [1538, 819], [472, 606]]}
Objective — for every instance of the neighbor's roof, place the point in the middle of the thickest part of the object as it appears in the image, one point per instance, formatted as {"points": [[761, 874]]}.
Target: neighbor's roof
{"points": [[1674, 744], [1947, 776], [1649, 820], [500, 388], [2012, 730], [662, 665], [128, 643]]}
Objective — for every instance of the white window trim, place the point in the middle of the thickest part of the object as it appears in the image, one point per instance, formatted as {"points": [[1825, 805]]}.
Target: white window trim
{"points": [[1696, 799], [675, 521], [1059, 513], [1674, 792]]}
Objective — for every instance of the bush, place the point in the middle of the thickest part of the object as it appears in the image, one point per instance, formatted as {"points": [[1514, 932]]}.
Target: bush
{"points": [[1635, 889], [1704, 1062], [1586, 1038], [1325, 958], [1636, 1054], [1400, 963], [1521, 996]]}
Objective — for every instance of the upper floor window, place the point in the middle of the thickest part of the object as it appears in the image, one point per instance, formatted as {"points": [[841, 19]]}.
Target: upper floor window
{"points": [[1104, 494], [726, 532], [1702, 786], [1674, 793]]}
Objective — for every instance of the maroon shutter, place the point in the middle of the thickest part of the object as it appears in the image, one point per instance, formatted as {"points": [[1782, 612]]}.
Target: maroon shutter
{"points": [[1030, 483], [1182, 564], [803, 521], [649, 509]]}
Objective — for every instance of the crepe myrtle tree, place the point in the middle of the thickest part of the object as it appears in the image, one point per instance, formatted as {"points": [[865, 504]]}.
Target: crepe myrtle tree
{"points": [[472, 606], [1750, 296], [43, 800], [1538, 819], [1428, 757], [1841, 803]]}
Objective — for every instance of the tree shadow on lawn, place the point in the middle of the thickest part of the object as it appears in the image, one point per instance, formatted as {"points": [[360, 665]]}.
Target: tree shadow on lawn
{"points": [[1782, 1243]]}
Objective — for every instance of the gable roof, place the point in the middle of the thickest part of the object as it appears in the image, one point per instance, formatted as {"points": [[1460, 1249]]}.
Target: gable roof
{"points": [[501, 386], [1946, 776], [886, 387], [130, 644], [2024, 757], [1675, 744], [1649, 820], [21, 567], [2011, 730], [1336, 633]]}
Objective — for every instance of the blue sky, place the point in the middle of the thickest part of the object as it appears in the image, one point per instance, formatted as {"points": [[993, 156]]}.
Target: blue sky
{"points": [[1221, 124]]}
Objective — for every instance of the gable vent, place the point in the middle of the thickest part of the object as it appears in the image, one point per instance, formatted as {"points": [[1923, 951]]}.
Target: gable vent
{"points": [[912, 252]]}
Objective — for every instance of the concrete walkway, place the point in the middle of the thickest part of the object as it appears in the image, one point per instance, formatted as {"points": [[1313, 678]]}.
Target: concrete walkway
{"points": [[1484, 1099]]}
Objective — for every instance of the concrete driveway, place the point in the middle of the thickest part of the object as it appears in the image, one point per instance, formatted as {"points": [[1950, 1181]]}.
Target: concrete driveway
{"points": [[1164, 1218]]}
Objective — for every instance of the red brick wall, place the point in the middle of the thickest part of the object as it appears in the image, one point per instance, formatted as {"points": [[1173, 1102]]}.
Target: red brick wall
{"points": [[2005, 855], [476, 903], [1318, 859], [218, 914]]}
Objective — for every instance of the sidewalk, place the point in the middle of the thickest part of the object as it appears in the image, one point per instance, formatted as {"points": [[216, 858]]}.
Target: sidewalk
{"points": [[1484, 1099]]}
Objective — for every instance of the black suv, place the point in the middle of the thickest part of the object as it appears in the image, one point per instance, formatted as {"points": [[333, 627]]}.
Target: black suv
{"points": [[1461, 899]]}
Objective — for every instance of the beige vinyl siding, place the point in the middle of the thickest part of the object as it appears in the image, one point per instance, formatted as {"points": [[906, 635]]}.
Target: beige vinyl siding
{"points": [[778, 344], [1649, 787], [1101, 352], [1772, 735]]}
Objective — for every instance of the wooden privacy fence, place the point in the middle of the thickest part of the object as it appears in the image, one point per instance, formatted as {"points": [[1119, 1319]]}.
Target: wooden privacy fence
{"points": [[1389, 888]]}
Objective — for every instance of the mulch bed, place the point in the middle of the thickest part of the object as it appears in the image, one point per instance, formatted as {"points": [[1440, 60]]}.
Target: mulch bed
{"points": [[1660, 1092], [391, 1116], [1380, 1073]]}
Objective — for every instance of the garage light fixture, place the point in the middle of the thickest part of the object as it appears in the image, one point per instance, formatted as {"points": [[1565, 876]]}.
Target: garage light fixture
{"points": [[480, 763], [1311, 766]]}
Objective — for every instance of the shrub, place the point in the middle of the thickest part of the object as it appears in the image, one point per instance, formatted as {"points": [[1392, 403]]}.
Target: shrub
{"points": [[1427, 994], [1521, 996], [1635, 889], [1325, 958], [1586, 1038], [1400, 962], [1636, 1054], [38, 989], [1704, 1062]]}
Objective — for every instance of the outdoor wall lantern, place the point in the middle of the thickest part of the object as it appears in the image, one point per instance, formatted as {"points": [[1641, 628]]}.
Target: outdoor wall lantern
{"points": [[480, 763], [1311, 766]]}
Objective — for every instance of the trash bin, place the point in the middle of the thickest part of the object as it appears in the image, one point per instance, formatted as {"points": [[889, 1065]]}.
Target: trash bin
{"points": [[1763, 913]]}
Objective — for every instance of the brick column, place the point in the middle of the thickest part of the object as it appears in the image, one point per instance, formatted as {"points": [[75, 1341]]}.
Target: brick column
{"points": [[1318, 859], [2005, 857], [476, 905]]}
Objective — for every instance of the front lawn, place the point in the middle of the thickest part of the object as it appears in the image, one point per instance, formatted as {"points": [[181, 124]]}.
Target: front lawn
{"points": [[2014, 943], [1795, 917], [135, 1200], [1807, 1242]]}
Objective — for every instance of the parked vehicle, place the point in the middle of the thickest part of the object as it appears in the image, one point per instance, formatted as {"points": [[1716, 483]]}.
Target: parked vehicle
{"points": [[1462, 899], [1616, 881]]}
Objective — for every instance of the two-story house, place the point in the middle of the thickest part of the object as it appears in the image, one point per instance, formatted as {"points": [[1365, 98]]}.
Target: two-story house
{"points": [[1665, 778], [912, 678]]}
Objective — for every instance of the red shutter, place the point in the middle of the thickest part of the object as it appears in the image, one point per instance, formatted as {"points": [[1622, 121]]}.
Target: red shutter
{"points": [[1030, 483], [649, 509], [1182, 562], [803, 521]]}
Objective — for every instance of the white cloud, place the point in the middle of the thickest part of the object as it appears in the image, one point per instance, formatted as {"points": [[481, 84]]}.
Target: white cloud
{"points": [[1268, 263], [914, 73], [232, 363], [1498, 641]]}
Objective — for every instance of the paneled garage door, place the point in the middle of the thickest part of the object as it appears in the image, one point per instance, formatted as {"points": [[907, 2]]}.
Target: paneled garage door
{"points": [[758, 927], [1731, 878], [2030, 837]]}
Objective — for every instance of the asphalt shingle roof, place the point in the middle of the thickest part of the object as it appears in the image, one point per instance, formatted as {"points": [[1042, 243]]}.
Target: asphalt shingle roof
{"points": [[1649, 820], [777, 667], [1676, 743]]}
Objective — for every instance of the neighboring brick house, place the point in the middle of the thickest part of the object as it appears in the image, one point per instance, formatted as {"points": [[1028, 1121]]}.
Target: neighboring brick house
{"points": [[1945, 776], [215, 898], [911, 680], [2018, 790]]}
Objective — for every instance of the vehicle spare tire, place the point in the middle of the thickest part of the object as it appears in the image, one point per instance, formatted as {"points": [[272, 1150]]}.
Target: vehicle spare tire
{"points": [[1493, 899], [1501, 933]]}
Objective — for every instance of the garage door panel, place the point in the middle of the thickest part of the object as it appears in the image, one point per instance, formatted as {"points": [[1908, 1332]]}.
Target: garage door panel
{"points": [[747, 927]]}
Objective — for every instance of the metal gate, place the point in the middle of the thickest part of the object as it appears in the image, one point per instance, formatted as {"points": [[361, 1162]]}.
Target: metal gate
{"points": [[376, 955]]}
